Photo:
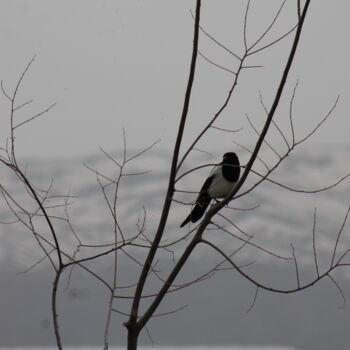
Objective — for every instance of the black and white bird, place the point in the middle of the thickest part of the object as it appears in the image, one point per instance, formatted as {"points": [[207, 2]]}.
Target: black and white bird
{"points": [[219, 184]]}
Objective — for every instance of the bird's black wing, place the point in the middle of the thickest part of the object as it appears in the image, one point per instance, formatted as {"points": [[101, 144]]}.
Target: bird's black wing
{"points": [[202, 202]]}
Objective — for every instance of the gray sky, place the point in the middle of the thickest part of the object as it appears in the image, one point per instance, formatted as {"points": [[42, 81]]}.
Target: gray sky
{"points": [[115, 64]]}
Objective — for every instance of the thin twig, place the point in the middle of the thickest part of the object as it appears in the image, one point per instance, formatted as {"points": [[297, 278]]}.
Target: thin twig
{"points": [[296, 266], [314, 244], [34, 117]]}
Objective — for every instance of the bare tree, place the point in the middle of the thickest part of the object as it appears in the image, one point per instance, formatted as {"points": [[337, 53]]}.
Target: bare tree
{"points": [[44, 211]]}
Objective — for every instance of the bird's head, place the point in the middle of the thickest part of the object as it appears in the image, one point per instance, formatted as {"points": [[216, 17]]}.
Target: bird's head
{"points": [[230, 158]]}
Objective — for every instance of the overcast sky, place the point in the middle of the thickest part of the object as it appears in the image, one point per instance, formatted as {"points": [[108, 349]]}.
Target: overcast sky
{"points": [[123, 64], [112, 64]]}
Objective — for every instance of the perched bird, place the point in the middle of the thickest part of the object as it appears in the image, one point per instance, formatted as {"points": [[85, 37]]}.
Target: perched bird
{"points": [[219, 184]]}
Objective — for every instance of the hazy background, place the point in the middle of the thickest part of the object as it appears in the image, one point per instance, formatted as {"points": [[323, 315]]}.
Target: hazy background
{"points": [[216, 309], [123, 64]]}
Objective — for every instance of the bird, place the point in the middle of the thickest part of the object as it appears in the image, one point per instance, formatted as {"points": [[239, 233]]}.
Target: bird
{"points": [[221, 181]]}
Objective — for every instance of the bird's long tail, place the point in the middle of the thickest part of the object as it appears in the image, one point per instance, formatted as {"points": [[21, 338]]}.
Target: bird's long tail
{"points": [[197, 212]]}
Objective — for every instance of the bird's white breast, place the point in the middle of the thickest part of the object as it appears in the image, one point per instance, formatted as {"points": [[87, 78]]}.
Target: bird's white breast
{"points": [[220, 187]]}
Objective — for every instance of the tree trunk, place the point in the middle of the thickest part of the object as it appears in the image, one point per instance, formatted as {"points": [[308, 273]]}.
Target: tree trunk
{"points": [[133, 336]]}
